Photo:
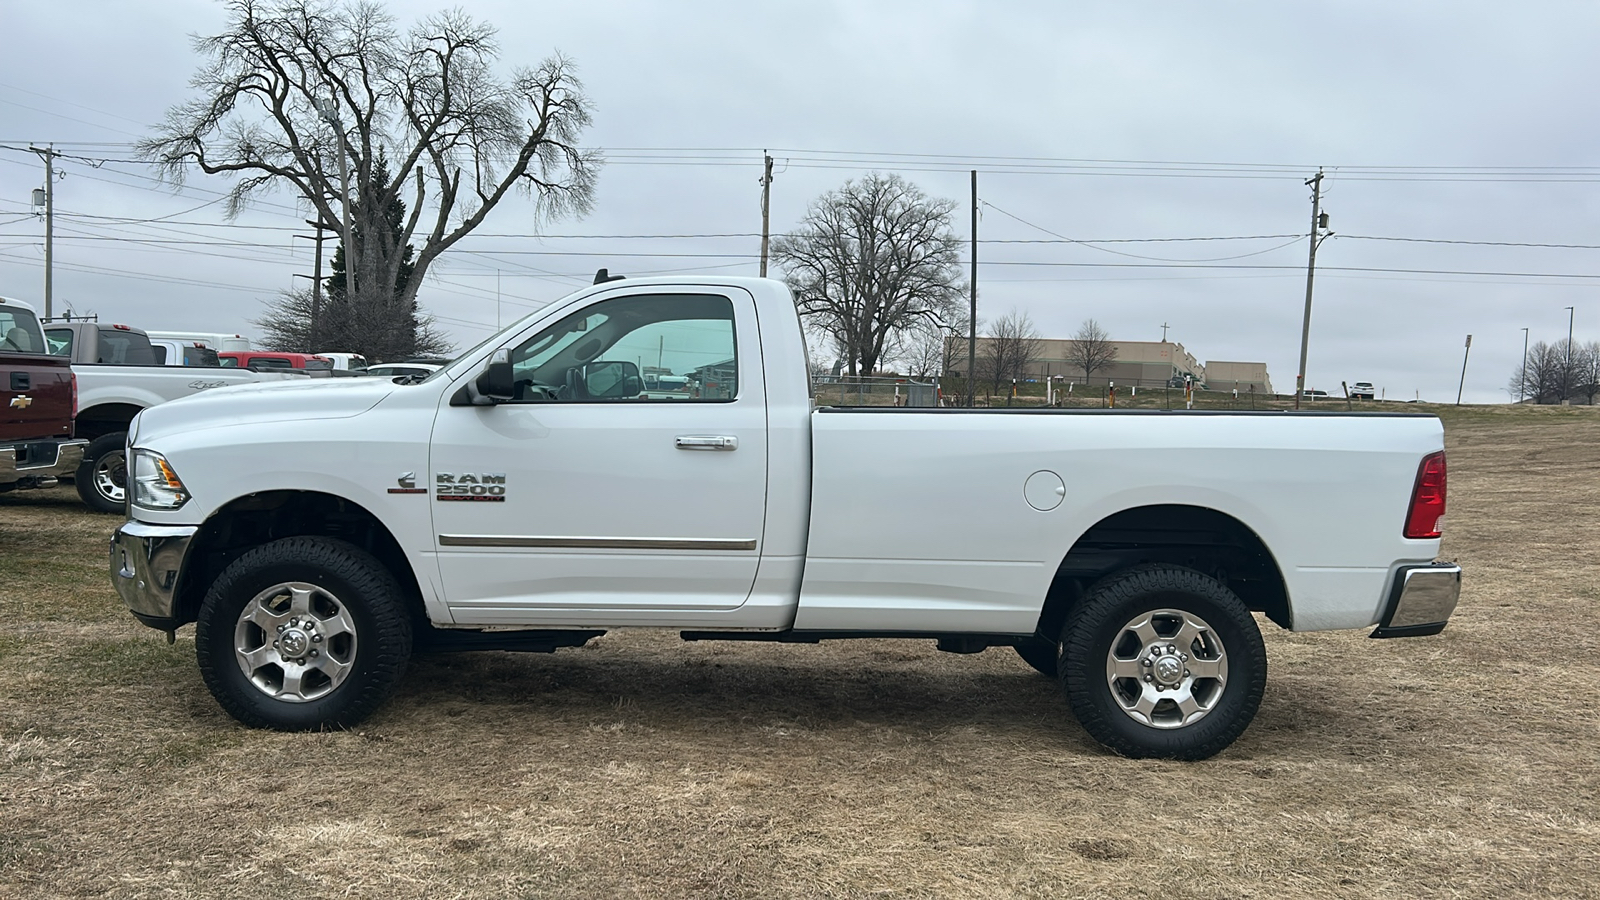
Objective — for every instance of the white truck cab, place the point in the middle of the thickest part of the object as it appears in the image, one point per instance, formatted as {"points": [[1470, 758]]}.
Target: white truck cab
{"points": [[538, 491]]}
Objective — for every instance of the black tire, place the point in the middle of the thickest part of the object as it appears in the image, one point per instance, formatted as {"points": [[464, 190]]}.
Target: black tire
{"points": [[1099, 640], [369, 637], [1041, 654], [99, 494]]}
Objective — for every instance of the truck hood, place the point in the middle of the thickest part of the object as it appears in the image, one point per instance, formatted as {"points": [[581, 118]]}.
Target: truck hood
{"points": [[280, 401]]}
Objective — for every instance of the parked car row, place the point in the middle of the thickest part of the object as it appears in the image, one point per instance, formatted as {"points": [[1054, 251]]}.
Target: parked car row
{"points": [[71, 388]]}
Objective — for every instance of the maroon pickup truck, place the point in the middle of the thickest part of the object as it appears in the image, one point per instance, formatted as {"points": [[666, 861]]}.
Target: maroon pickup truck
{"points": [[38, 398]]}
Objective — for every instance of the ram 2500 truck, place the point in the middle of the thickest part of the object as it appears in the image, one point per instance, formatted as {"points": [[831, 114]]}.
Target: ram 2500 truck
{"points": [[37, 399], [533, 493], [118, 374]]}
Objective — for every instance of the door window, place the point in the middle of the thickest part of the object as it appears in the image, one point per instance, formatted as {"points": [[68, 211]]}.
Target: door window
{"points": [[641, 349]]}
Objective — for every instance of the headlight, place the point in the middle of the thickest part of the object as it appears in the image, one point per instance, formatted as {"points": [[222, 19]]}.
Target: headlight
{"points": [[155, 484]]}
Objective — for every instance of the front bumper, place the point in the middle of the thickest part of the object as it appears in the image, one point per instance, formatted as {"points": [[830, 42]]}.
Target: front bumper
{"points": [[146, 562], [40, 463], [1421, 602]]}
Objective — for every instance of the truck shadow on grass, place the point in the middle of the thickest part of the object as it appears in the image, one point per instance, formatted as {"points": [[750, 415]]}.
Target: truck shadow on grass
{"points": [[759, 689]]}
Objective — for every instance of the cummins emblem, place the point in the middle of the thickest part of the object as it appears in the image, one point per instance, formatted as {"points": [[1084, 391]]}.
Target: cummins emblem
{"points": [[487, 487], [408, 485], [21, 401]]}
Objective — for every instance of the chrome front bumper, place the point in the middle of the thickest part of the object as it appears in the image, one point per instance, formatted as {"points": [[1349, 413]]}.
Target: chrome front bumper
{"points": [[146, 561], [1421, 602], [39, 472]]}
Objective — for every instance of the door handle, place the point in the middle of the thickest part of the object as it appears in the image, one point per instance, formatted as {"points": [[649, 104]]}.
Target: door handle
{"points": [[707, 442]]}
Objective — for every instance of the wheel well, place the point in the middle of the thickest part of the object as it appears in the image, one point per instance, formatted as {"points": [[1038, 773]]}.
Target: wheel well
{"points": [[104, 419], [1198, 538], [256, 519]]}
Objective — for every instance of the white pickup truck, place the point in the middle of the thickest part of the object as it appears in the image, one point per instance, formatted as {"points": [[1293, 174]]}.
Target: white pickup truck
{"points": [[534, 493], [119, 372]]}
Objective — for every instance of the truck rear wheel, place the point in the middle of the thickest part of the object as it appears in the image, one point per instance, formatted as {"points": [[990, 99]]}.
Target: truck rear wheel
{"points": [[303, 633], [102, 477], [1163, 662]]}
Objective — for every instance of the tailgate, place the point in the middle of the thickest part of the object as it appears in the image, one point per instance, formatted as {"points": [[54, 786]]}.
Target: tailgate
{"points": [[35, 396]]}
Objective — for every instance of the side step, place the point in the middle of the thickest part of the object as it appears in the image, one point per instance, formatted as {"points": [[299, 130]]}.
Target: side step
{"points": [[454, 640], [949, 643]]}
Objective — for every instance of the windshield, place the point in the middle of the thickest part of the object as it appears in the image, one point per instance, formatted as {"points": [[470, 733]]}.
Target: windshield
{"points": [[19, 331]]}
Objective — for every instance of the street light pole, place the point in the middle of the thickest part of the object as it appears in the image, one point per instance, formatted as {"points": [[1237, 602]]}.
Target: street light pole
{"points": [[330, 113], [1566, 370], [1522, 380]]}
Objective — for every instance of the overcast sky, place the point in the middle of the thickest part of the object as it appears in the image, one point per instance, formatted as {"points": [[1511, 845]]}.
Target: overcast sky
{"points": [[1386, 97]]}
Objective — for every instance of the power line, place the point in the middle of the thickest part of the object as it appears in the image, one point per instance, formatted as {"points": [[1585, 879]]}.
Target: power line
{"points": [[1293, 238], [1412, 240]]}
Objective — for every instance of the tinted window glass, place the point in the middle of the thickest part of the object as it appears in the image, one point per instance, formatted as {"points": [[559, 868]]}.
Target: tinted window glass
{"points": [[125, 348], [59, 341], [199, 356]]}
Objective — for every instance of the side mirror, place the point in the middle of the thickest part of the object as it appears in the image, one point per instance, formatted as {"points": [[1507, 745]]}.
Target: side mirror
{"points": [[612, 380], [495, 384]]}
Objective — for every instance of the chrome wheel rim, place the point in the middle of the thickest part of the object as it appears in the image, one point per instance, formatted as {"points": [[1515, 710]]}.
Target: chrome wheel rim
{"points": [[295, 642], [111, 477], [1167, 668]]}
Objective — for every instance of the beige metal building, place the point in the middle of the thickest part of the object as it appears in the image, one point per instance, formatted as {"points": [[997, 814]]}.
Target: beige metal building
{"points": [[1237, 376], [1141, 363], [1136, 363]]}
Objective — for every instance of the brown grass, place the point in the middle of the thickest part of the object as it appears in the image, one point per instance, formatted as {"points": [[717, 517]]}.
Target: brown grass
{"points": [[1463, 765]]}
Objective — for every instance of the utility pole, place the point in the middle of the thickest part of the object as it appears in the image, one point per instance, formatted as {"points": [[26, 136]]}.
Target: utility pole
{"points": [[316, 283], [972, 322], [48, 154], [766, 208], [1463, 385], [1522, 380], [1319, 222], [1566, 370]]}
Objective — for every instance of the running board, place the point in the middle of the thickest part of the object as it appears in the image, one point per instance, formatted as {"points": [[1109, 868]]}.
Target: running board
{"points": [[949, 643], [453, 640]]}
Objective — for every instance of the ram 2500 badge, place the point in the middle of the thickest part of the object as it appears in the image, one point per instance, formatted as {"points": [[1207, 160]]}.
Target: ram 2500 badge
{"points": [[535, 492]]}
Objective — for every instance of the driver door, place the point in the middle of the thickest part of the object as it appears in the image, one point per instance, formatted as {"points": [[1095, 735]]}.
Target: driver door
{"points": [[627, 474]]}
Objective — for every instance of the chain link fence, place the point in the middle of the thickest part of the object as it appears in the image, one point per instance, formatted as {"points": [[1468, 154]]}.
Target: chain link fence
{"points": [[874, 390]]}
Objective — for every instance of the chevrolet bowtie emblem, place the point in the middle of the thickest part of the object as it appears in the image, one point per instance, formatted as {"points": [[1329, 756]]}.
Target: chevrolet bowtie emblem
{"points": [[21, 401]]}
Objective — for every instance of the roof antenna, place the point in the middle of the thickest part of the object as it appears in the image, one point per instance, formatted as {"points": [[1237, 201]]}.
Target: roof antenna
{"points": [[603, 276]]}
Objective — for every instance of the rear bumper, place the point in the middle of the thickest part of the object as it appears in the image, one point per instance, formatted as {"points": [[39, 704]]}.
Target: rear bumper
{"points": [[1421, 602], [146, 562], [38, 463]]}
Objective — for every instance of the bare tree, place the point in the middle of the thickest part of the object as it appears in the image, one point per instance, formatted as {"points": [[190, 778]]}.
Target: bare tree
{"points": [[933, 350], [871, 261], [1004, 353], [287, 77], [287, 326], [1091, 349], [1586, 361], [1548, 377]]}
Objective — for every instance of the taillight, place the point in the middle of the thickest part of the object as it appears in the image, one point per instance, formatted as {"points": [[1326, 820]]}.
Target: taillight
{"points": [[73, 376], [1427, 498]]}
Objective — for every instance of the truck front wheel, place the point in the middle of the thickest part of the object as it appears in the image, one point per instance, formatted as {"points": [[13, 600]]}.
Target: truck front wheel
{"points": [[303, 633], [1163, 662], [102, 477]]}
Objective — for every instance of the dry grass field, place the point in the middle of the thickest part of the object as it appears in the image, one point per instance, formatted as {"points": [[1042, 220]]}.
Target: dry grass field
{"points": [[1462, 765]]}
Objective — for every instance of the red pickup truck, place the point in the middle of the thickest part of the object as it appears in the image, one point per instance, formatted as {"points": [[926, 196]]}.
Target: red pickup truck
{"points": [[38, 398]]}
